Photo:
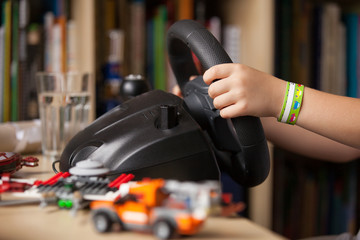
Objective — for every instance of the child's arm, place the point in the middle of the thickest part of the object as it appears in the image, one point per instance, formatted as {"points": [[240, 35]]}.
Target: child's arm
{"points": [[242, 90], [307, 143]]}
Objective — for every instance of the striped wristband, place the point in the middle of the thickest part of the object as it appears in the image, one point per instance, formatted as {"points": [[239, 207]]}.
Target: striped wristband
{"points": [[292, 103]]}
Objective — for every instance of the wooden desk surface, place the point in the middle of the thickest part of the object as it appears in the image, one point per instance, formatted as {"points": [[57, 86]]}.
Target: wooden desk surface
{"points": [[27, 222]]}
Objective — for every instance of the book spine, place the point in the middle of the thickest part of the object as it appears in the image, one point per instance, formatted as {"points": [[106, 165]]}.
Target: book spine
{"points": [[7, 61], [315, 72], [48, 26], [60, 36], [330, 45], [137, 10], [61, 21], [2, 39], [159, 47], [23, 76], [285, 37], [351, 21], [150, 51], [340, 75], [56, 50], [14, 68], [232, 42], [71, 61], [186, 9]]}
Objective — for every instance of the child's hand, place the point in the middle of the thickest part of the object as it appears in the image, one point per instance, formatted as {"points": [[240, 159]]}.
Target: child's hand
{"points": [[176, 91], [244, 91]]}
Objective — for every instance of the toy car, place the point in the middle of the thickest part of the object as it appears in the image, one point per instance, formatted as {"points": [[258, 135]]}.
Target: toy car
{"points": [[164, 207]]}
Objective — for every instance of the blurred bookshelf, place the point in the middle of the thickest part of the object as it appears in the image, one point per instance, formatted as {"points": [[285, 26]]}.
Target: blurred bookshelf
{"points": [[35, 36], [316, 44], [314, 197]]}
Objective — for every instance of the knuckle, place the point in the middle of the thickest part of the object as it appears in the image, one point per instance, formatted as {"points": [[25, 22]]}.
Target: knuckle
{"points": [[237, 92], [243, 108], [239, 67], [214, 71]]}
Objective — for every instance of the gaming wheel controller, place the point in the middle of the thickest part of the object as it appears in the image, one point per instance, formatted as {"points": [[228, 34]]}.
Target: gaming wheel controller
{"points": [[240, 143]]}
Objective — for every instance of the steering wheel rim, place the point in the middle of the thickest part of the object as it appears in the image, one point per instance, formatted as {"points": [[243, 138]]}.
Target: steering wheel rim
{"points": [[249, 164]]}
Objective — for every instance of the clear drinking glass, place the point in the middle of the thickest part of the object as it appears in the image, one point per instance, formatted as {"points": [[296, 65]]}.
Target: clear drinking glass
{"points": [[64, 107]]}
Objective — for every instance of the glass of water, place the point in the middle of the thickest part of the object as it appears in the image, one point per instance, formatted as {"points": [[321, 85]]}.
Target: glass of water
{"points": [[64, 107]]}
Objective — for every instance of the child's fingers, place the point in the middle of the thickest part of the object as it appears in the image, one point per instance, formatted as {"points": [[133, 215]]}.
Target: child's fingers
{"points": [[218, 88], [232, 111], [176, 91], [192, 77], [228, 100], [222, 101], [217, 72]]}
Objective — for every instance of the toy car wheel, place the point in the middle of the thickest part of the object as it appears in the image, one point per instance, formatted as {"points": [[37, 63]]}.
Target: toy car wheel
{"points": [[163, 230], [102, 222]]}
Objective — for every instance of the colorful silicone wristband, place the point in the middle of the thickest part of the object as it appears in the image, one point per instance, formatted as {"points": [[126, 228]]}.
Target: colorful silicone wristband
{"points": [[292, 103], [296, 104]]}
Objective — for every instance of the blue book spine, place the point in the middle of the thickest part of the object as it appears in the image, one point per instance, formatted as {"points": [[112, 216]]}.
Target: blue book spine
{"points": [[352, 22]]}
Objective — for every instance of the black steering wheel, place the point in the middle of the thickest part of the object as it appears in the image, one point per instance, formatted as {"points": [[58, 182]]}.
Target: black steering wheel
{"points": [[239, 143]]}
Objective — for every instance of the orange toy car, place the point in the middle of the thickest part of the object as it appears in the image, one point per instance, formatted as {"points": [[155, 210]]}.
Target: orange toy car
{"points": [[164, 207]]}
